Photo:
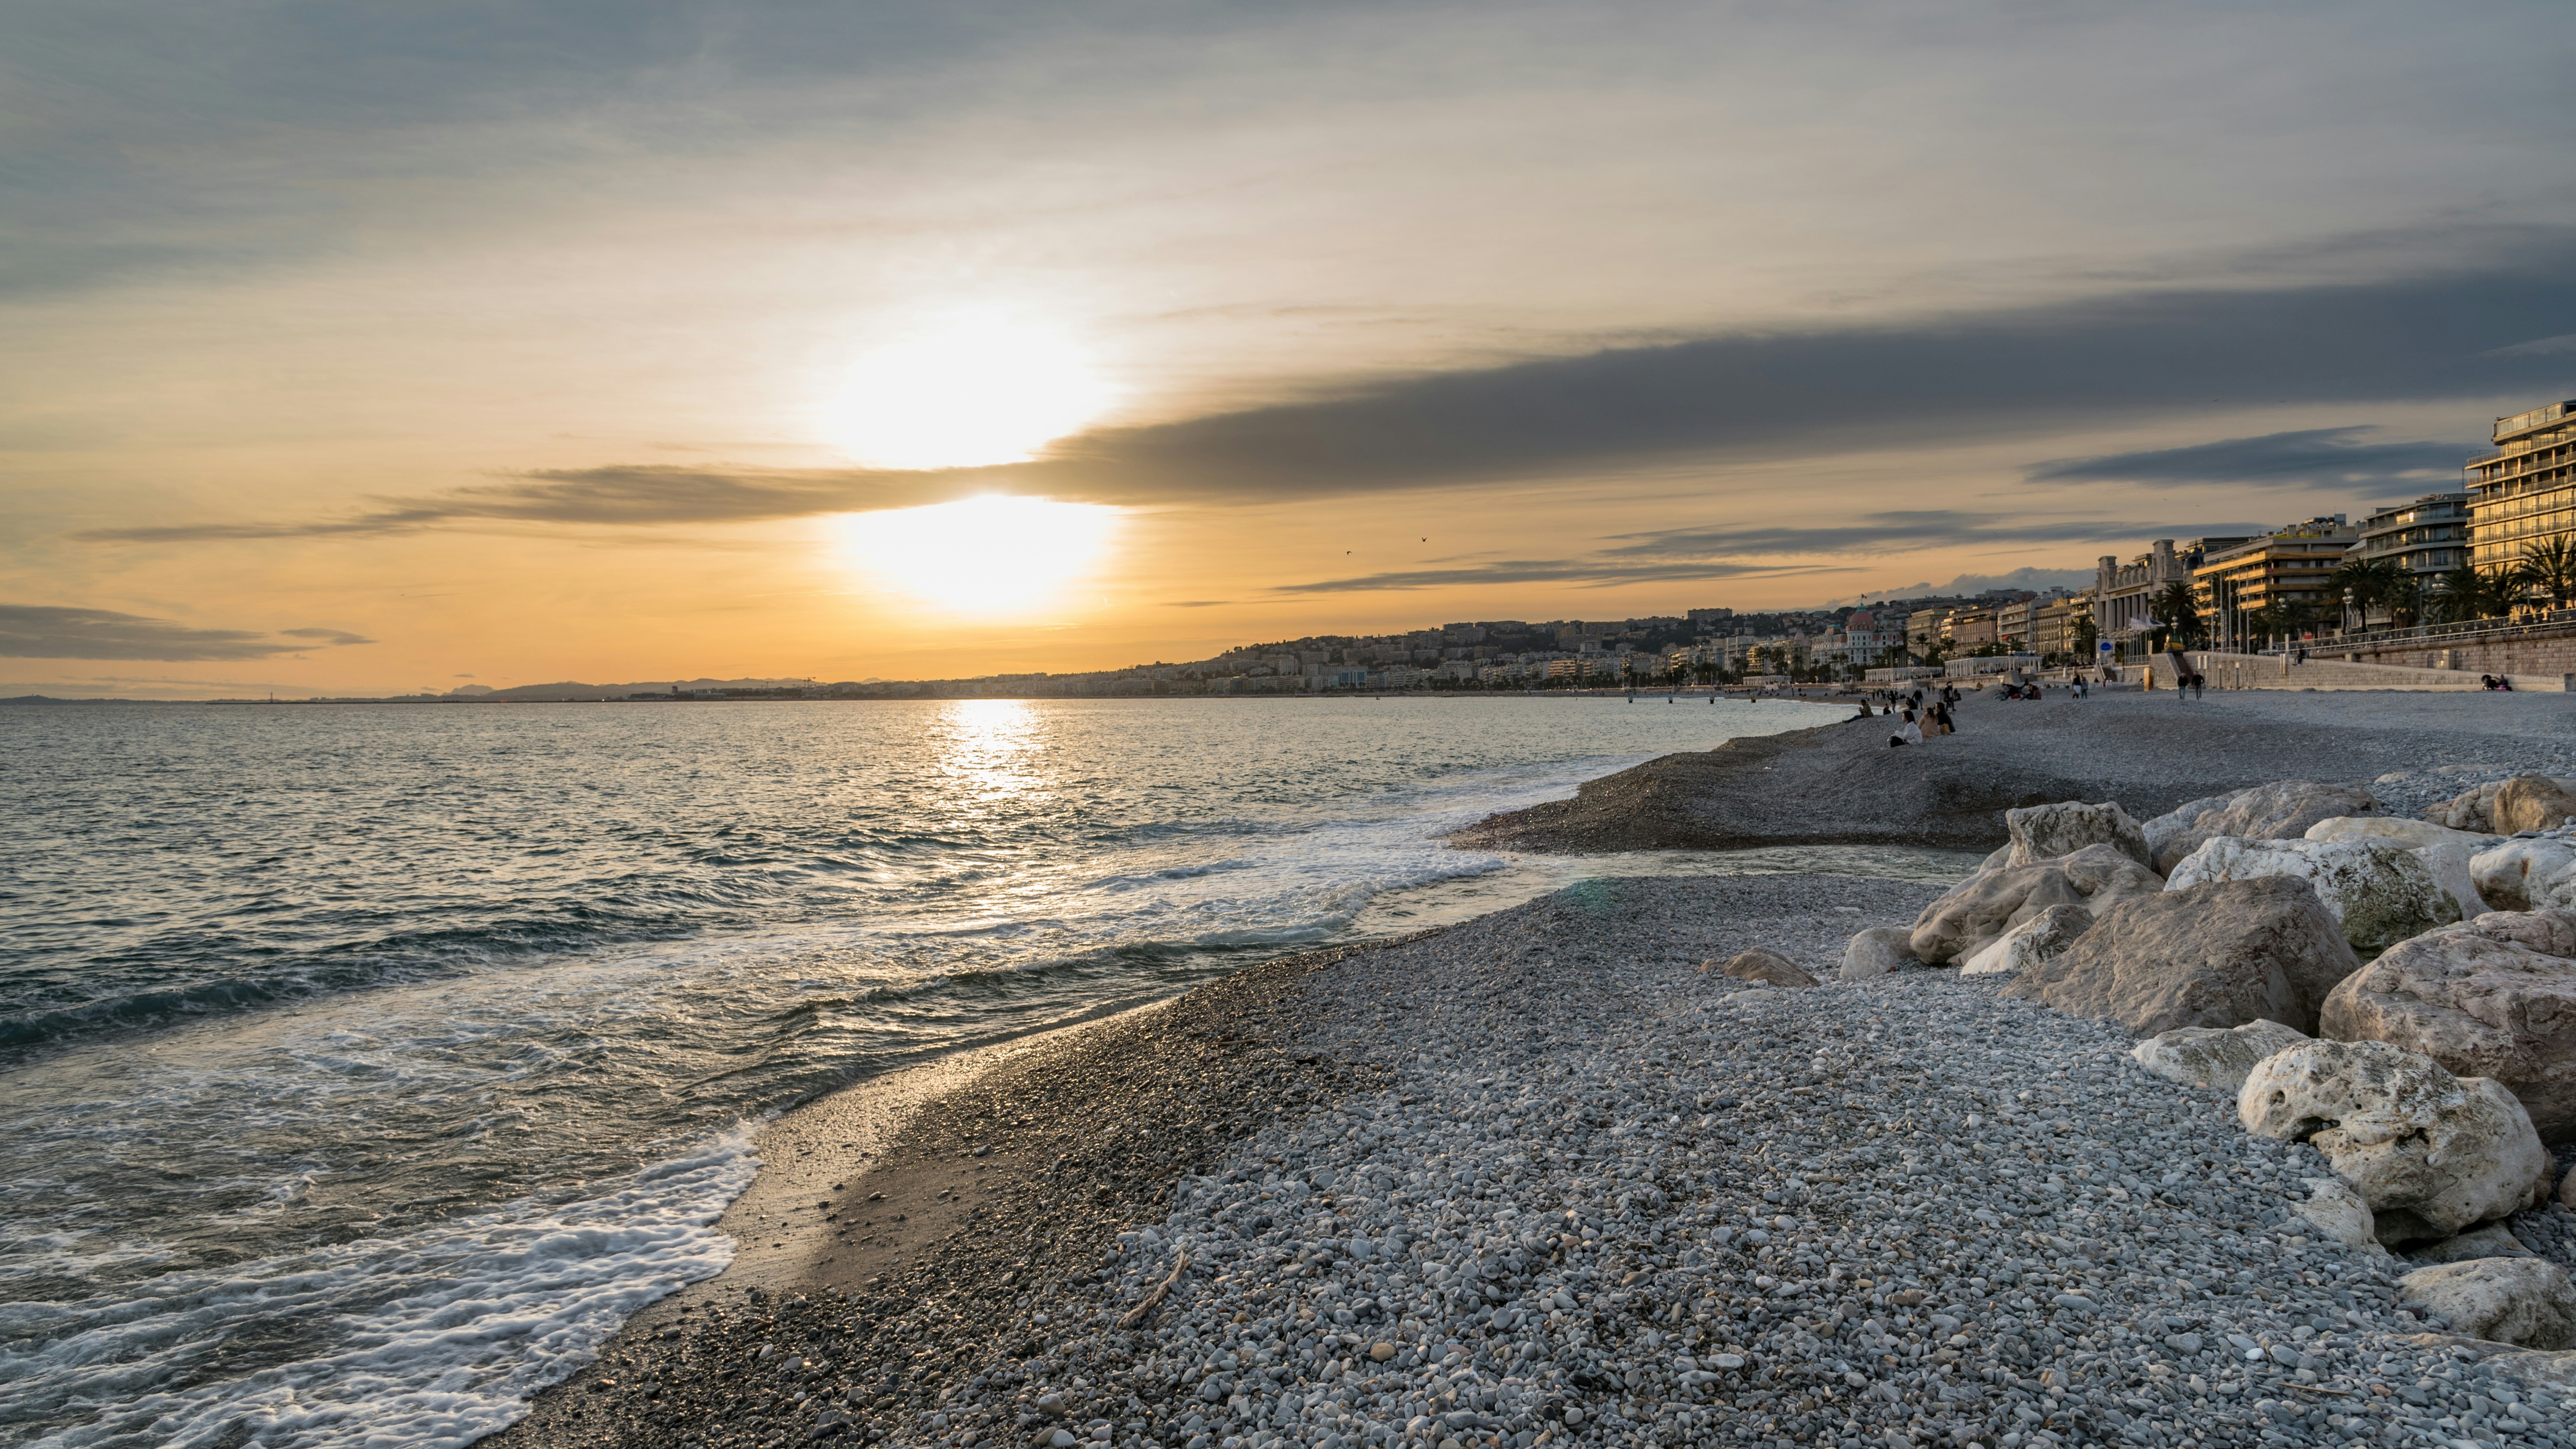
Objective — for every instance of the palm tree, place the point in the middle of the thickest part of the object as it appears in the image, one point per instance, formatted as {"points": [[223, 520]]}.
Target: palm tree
{"points": [[2550, 567], [2179, 612], [2366, 582], [2464, 595], [2405, 601]]}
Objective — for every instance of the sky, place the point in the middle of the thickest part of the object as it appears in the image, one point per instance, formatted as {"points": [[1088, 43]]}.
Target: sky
{"points": [[373, 347]]}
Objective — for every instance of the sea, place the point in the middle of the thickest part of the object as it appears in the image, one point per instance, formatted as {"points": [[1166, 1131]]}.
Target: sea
{"points": [[362, 1067]]}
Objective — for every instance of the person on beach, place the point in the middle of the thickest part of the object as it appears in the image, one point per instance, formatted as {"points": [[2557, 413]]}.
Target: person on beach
{"points": [[2199, 681], [1907, 731]]}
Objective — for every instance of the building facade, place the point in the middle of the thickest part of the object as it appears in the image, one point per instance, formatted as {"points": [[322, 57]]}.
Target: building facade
{"points": [[2525, 492], [2427, 538], [2123, 598], [2289, 566]]}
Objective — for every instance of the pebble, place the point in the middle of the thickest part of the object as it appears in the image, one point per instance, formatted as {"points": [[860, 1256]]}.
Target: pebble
{"points": [[1594, 1200]]}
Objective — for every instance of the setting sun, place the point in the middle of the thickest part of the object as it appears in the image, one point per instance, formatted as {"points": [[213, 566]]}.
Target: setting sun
{"points": [[976, 389], [981, 555]]}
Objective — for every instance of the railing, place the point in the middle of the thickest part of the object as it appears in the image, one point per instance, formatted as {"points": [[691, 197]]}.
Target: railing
{"points": [[2469, 631]]}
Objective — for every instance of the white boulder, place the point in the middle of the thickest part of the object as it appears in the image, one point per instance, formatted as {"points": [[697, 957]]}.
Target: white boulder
{"points": [[2379, 892], [2049, 832], [2217, 1057], [2042, 938], [1969, 917], [2431, 1153], [2282, 810], [2523, 1301], [2445, 852], [2527, 874], [2413, 834], [2494, 997]]}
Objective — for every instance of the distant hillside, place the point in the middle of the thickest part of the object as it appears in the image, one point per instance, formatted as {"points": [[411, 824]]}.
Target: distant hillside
{"points": [[574, 689]]}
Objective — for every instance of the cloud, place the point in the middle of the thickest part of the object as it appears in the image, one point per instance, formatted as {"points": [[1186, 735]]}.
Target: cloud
{"points": [[1684, 554], [2029, 370], [2312, 456], [1895, 531], [1587, 573], [1197, 603], [327, 636], [29, 631], [619, 495], [2560, 345]]}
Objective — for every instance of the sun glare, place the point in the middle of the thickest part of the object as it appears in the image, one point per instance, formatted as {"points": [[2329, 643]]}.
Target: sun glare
{"points": [[983, 555], [978, 388]]}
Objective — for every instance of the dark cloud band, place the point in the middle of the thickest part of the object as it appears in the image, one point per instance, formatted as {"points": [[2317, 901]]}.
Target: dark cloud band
{"points": [[2016, 372], [30, 631]]}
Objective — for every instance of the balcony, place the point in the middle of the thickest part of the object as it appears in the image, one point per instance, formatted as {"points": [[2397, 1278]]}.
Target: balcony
{"points": [[2540, 417]]}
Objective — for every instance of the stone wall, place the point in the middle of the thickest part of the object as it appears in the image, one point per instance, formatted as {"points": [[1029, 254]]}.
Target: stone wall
{"points": [[2543, 656]]}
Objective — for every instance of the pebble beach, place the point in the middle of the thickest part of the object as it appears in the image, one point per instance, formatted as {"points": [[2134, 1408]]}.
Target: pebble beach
{"points": [[1547, 1178]]}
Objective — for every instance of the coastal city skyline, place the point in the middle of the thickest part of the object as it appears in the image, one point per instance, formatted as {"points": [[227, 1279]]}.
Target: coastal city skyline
{"points": [[353, 357]]}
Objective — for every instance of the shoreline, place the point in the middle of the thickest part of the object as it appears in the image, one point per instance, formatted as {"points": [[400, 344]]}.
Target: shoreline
{"points": [[999, 1315]]}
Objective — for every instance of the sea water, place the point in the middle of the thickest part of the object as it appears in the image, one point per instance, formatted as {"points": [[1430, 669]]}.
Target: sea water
{"points": [[366, 1066]]}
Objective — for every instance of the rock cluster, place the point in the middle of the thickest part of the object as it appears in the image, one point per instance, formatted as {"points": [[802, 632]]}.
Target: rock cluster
{"points": [[2282, 810], [2494, 997], [1979, 910], [2379, 891], [2216, 955]]}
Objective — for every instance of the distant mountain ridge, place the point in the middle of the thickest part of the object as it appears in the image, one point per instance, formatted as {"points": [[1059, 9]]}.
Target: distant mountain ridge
{"points": [[572, 689]]}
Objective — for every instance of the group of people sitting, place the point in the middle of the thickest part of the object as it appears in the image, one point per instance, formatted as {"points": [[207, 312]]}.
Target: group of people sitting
{"points": [[1916, 719], [2497, 681]]}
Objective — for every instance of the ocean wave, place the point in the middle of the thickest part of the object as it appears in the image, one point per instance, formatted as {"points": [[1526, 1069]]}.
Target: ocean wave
{"points": [[433, 1339]]}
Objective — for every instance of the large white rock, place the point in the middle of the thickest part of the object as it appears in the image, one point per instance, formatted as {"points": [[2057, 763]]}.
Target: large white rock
{"points": [[2217, 1057], [2445, 852], [2527, 875], [1974, 912], [2397, 829], [2041, 939], [2049, 832], [2338, 1212], [2431, 1153], [2525, 1301], [2379, 891], [1875, 952], [2164, 830], [2218, 955], [2449, 863], [2494, 997], [2282, 810]]}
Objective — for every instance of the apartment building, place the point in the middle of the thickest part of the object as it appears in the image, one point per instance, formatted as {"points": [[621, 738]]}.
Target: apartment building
{"points": [[2288, 566], [2427, 537], [2525, 492]]}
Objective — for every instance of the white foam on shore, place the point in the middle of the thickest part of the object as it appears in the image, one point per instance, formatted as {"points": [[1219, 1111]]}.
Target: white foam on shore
{"points": [[433, 1339]]}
